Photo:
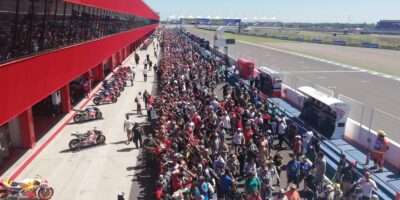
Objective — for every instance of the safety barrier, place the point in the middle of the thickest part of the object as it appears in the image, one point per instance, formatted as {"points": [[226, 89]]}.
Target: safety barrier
{"points": [[339, 42]]}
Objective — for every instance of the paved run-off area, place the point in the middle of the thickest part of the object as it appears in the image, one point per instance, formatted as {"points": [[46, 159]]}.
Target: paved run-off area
{"points": [[99, 172]]}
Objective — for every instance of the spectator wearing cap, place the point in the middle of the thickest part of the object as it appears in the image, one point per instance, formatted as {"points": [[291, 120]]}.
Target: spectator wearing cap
{"points": [[293, 194], [348, 178], [297, 145], [328, 193], [367, 185], [281, 195], [380, 148], [338, 192]]}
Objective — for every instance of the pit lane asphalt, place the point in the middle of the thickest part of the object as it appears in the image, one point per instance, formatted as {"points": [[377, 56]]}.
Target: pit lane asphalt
{"points": [[373, 90], [98, 172]]}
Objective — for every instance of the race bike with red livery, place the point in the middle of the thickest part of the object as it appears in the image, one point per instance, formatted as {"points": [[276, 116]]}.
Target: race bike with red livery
{"points": [[36, 188], [104, 98], [89, 113], [91, 137], [112, 90]]}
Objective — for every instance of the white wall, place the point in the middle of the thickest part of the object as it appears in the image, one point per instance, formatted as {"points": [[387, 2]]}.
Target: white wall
{"points": [[353, 131], [366, 139]]}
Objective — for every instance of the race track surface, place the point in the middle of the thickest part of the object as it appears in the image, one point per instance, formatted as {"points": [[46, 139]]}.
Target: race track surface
{"points": [[373, 90]]}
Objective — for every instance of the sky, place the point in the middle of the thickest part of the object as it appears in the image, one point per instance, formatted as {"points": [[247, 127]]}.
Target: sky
{"points": [[344, 11]]}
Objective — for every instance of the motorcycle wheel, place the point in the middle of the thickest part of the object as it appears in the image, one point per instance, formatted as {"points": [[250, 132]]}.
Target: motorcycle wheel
{"points": [[114, 99], [101, 139], [124, 83], [45, 193], [74, 144], [99, 115], [77, 118], [96, 100], [118, 94], [122, 88]]}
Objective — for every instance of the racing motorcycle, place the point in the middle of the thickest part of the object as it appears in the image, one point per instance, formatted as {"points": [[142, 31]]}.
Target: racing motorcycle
{"points": [[36, 188], [87, 114], [104, 98], [91, 137], [112, 90]]}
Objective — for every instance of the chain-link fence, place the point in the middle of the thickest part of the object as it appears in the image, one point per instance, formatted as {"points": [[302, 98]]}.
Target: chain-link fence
{"points": [[295, 82], [381, 120], [356, 109]]}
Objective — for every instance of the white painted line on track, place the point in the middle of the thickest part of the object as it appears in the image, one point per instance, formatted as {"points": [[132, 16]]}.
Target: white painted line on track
{"points": [[325, 61], [316, 72]]}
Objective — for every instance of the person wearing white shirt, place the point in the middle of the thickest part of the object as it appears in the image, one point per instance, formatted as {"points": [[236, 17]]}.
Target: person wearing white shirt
{"points": [[281, 132], [367, 185], [128, 125], [238, 138], [307, 136], [145, 75]]}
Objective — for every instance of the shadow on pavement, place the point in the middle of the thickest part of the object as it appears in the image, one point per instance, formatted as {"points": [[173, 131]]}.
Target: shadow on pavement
{"points": [[85, 148], [126, 149], [143, 181]]}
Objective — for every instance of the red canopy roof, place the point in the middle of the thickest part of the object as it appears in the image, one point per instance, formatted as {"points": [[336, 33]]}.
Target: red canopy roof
{"points": [[134, 7]]}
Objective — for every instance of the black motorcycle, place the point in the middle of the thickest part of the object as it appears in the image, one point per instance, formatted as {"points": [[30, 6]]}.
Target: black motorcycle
{"points": [[91, 137], [87, 114]]}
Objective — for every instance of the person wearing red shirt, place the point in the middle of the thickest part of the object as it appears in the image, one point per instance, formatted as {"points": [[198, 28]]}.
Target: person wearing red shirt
{"points": [[297, 145], [248, 133], [292, 194]]}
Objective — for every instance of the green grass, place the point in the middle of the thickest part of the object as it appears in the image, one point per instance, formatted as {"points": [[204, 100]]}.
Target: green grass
{"points": [[265, 41]]}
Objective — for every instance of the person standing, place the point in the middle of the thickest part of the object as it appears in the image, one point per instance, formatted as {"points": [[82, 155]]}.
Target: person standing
{"points": [[293, 170], [150, 64], [281, 133], [146, 96], [133, 71], [138, 101], [128, 126], [320, 168], [380, 148], [145, 75], [367, 185], [145, 63], [137, 135], [137, 58], [307, 136]]}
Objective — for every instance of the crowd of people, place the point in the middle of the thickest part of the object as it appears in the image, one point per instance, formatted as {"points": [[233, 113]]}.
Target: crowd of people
{"points": [[230, 148]]}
